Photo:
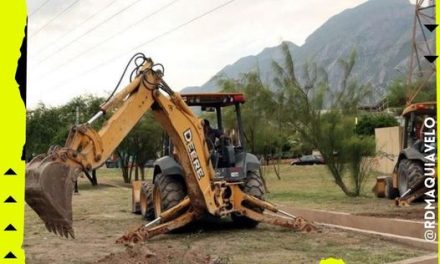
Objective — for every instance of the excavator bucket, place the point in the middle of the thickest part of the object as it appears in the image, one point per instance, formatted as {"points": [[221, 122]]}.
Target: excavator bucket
{"points": [[49, 190]]}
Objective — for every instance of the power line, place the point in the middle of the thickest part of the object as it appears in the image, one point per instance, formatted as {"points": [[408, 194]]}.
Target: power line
{"points": [[146, 42], [76, 27], [183, 25], [90, 30], [56, 16], [38, 8], [117, 33]]}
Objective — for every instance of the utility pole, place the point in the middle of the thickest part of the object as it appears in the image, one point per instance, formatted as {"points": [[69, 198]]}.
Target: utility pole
{"points": [[424, 18], [76, 123]]}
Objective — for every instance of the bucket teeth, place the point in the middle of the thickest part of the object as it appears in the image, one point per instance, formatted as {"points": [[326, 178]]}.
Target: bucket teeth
{"points": [[60, 229], [47, 226], [71, 232], [52, 228], [65, 233]]}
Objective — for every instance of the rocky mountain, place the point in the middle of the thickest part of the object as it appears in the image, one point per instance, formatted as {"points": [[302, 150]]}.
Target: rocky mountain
{"points": [[378, 30]]}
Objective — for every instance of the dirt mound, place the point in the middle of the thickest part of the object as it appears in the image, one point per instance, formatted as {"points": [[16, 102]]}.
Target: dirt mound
{"points": [[141, 254]]}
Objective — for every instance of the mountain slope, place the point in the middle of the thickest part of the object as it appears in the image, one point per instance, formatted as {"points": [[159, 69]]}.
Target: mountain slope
{"points": [[378, 30]]}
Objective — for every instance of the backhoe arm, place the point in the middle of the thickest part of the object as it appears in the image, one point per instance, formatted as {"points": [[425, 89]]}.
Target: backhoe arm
{"points": [[50, 177]]}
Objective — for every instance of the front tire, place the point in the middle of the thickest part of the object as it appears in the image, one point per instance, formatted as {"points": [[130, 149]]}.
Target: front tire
{"points": [[254, 186], [168, 191]]}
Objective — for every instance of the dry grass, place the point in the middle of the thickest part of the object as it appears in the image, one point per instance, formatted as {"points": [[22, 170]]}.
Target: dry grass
{"points": [[102, 214]]}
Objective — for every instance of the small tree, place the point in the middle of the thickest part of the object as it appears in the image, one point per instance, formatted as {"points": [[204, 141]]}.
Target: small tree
{"points": [[358, 148], [147, 137], [141, 144], [256, 113], [324, 117], [43, 129], [124, 156], [46, 126]]}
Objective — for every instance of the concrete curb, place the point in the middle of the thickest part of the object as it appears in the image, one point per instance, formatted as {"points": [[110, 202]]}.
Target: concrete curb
{"points": [[404, 240], [402, 231]]}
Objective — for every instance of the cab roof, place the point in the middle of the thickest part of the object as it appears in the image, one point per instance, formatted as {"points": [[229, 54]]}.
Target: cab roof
{"points": [[213, 99], [422, 108]]}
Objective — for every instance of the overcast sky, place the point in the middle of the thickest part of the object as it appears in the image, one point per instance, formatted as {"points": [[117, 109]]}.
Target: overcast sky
{"points": [[82, 46]]}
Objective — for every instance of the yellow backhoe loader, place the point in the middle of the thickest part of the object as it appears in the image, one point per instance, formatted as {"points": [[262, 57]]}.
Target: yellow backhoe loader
{"points": [[199, 184], [414, 162]]}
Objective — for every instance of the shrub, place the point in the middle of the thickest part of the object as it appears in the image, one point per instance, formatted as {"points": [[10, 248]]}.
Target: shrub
{"points": [[367, 123]]}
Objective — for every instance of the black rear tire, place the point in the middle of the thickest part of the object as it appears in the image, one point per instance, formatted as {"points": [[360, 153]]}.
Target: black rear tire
{"points": [[409, 173], [147, 208], [168, 191], [254, 186]]}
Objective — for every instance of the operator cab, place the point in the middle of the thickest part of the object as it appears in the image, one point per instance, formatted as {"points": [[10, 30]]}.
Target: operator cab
{"points": [[227, 149], [414, 116]]}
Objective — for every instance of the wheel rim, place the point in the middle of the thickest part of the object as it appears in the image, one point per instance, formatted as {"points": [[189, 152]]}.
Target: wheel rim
{"points": [[403, 183], [157, 201]]}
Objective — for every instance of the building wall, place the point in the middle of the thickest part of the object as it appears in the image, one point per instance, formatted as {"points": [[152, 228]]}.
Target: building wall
{"points": [[388, 145]]}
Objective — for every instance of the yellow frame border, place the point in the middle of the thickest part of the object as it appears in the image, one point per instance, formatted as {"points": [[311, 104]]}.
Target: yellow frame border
{"points": [[437, 46], [12, 132]]}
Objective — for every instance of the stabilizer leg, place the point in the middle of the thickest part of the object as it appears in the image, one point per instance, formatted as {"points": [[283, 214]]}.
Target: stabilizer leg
{"points": [[169, 219], [408, 198], [287, 220], [415, 191], [295, 223]]}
